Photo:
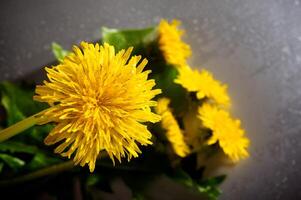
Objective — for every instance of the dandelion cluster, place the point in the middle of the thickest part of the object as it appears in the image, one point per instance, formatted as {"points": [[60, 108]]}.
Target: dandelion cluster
{"points": [[212, 96]]}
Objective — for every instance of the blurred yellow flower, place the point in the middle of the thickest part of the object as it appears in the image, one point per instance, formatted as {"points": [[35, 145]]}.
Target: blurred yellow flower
{"points": [[169, 123], [203, 84], [192, 128], [174, 50], [225, 130], [98, 99]]}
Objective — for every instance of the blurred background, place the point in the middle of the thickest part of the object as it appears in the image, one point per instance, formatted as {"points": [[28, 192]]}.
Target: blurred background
{"points": [[253, 46]]}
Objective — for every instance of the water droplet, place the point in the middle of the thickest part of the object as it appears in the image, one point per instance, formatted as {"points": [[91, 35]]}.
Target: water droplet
{"points": [[286, 50], [116, 21], [156, 19], [293, 162], [284, 179], [139, 12], [82, 26], [42, 22], [46, 47], [20, 73], [29, 55], [298, 59]]}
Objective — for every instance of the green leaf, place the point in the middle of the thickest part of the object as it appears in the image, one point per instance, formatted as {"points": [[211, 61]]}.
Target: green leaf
{"points": [[208, 187], [101, 181], [13, 112], [18, 102], [213, 181], [123, 39], [41, 160], [93, 179], [182, 177], [12, 162], [1, 166], [59, 52], [212, 193], [17, 147], [138, 196], [40, 132], [176, 93]]}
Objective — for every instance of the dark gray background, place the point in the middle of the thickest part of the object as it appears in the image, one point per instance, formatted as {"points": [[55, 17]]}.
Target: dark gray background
{"points": [[253, 45]]}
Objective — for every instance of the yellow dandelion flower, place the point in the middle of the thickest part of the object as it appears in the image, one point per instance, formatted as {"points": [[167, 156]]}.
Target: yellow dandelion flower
{"points": [[203, 84], [99, 100], [174, 133], [192, 128], [225, 130], [174, 50]]}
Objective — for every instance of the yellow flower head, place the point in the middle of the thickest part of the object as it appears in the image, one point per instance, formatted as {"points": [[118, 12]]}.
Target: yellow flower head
{"points": [[169, 123], [192, 128], [174, 50], [203, 84], [98, 100], [225, 130]]}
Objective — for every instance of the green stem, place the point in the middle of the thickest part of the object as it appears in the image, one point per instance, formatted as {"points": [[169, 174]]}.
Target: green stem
{"points": [[39, 173], [19, 127]]}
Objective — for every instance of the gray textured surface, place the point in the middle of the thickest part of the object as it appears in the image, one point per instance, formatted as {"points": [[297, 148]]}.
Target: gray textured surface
{"points": [[254, 46]]}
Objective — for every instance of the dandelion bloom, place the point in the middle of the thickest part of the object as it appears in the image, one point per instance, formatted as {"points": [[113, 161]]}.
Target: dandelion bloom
{"points": [[192, 129], [225, 130], [169, 123], [98, 101], [174, 50], [203, 84]]}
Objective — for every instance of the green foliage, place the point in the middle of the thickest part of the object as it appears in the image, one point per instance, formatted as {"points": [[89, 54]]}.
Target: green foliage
{"points": [[138, 196], [207, 187], [100, 181], [210, 186], [38, 133], [17, 147], [58, 51], [1, 166], [18, 102], [13, 162], [41, 160], [182, 177], [123, 39], [176, 93], [25, 151], [93, 179]]}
